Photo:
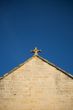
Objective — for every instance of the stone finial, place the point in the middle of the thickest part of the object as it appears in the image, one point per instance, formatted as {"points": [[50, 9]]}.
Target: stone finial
{"points": [[36, 51]]}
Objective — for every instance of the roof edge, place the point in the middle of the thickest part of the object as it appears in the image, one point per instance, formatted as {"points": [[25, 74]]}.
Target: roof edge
{"points": [[15, 68], [58, 68]]}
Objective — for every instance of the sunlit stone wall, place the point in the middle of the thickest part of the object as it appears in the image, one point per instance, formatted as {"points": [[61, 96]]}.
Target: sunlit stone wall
{"points": [[36, 85]]}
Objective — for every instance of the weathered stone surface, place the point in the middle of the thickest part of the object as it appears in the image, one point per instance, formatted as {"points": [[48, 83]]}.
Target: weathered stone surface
{"points": [[36, 85]]}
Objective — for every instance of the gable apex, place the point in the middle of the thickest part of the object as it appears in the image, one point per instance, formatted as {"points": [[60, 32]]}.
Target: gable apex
{"points": [[44, 60]]}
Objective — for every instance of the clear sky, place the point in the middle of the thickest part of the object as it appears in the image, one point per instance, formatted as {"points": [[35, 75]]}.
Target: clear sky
{"points": [[46, 24]]}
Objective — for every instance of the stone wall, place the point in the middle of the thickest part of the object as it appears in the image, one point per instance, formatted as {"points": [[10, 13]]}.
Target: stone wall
{"points": [[36, 85]]}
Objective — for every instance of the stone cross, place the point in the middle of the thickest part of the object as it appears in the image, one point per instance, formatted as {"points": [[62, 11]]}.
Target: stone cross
{"points": [[36, 51]]}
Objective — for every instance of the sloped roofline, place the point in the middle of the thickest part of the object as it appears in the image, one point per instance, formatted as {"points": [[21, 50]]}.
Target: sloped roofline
{"points": [[66, 73], [58, 68]]}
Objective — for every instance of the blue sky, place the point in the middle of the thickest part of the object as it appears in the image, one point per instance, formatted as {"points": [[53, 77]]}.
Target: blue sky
{"points": [[46, 24]]}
